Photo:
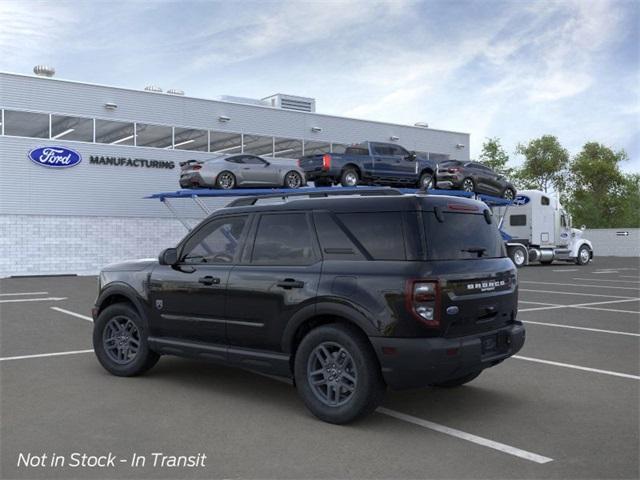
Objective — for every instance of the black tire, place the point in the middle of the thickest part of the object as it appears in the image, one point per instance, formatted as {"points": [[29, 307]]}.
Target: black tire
{"points": [[368, 388], [508, 194], [468, 185], [131, 364], [426, 181], [457, 382], [349, 177], [584, 255], [323, 182], [293, 180], [518, 256], [226, 180]]}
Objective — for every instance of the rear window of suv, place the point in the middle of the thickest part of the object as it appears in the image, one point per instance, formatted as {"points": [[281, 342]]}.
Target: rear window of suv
{"points": [[462, 236]]}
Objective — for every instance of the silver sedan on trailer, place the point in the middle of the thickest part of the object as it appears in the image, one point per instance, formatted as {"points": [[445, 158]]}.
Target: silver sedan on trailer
{"points": [[241, 170]]}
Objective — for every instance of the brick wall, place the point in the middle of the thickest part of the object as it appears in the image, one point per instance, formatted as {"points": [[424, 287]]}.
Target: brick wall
{"points": [[42, 245]]}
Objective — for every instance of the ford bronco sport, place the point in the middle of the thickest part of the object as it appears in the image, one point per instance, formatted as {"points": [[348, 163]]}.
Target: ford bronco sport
{"points": [[346, 295]]}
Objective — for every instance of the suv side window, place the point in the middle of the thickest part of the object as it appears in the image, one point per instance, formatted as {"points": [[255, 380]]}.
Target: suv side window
{"points": [[216, 242], [380, 233], [283, 239]]}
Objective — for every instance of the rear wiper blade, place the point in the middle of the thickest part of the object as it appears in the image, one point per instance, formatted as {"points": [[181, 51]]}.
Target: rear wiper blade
{"points": [[479, 250]]}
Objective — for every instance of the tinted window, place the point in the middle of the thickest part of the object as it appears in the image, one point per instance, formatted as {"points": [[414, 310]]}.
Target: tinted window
{"points": [[379, 233], [356, 151], [283, 240], [216, 242], [26, 124], [517, 220], [334, 241], [71, 128], [544, 200], [399, 151], [234, 160], [253, 160], [462, 236], [115, 133]]}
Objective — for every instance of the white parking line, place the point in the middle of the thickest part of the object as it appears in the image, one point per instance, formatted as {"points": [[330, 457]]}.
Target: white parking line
{"points": [[578, 367], [485, 442], [587, 306], [23, 293], [605, 280], [633, 312], [628, 276], [574, 293], [73, 314], [48, 299], [583, 285], [598, 330], [40, 355], [605, 272], [567, 270], [541, 303]]}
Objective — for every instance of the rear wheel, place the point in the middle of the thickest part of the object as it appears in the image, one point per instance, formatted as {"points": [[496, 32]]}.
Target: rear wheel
{"points": [[349, 178], [457, 382], [293, 179], [337, 374], [226, 180], [120, 341], [584, 255], [468, 185]]}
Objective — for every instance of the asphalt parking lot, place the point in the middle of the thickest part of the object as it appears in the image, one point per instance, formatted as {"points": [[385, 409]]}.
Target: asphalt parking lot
{"points": [[566, 407]]}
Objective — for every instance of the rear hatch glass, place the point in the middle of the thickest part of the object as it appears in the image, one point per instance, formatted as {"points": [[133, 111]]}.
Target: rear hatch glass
{"points": [[461, 236]]}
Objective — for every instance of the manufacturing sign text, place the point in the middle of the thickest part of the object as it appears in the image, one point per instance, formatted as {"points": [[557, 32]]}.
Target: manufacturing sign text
{"points": [[55, 157], [130, 162]]}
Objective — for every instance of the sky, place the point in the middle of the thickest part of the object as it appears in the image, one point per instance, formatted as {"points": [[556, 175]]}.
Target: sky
{"points": [[509, 69]]}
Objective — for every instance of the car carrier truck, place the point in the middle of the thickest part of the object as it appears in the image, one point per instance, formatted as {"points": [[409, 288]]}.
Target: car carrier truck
{"points": [[538, 229]]}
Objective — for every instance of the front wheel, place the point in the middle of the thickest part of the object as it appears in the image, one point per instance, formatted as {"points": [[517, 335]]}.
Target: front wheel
{"points": [[518, 255], [349, 178], [293, 179], [509, 194], [337, 374], [120, 341], [584, 255], [426, 181]]}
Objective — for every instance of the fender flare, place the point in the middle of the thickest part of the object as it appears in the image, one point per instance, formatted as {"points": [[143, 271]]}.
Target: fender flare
{"points": [[127, 291], [580, 243], [347, 312]]}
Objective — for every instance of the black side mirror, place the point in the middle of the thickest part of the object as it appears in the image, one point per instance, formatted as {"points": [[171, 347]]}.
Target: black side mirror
{"points": [[412, 156], [169, 256]]}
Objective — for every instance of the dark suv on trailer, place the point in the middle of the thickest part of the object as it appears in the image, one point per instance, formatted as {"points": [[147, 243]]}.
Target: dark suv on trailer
{"points": [[347, 295]]}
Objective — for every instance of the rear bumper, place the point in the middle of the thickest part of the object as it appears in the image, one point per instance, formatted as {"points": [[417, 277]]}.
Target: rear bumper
{"points": [[419, 362], [190, 180], [448, 181]]}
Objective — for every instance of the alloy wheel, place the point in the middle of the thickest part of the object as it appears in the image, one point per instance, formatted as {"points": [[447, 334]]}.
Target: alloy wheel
{"points": [[332, 374], [351, 179], [293, 180], [467, 185], [226, 181], [121, 340], [508, 194]]}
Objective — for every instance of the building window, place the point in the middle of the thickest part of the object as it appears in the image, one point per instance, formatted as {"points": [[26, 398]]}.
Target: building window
{"points": [[287, 148], [190, 139], [71, 128], [258, 145], [315, 148], [225, 142], [114, 133], [157, 136], [26, 124]]}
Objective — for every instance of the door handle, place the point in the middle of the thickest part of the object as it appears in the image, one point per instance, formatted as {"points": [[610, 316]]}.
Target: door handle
{"points": [[209, 280], [289, 283]]}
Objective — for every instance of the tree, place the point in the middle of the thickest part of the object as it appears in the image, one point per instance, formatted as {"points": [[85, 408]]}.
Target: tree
{"points": [[600, 195], [494, 156], [545, 163]]}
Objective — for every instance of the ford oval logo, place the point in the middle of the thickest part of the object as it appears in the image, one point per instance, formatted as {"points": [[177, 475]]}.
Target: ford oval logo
{"points": [[55, 157], [521, 200]]}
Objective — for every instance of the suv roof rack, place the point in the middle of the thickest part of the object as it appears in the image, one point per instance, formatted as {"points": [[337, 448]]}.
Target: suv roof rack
{"points": [[316, 193]]}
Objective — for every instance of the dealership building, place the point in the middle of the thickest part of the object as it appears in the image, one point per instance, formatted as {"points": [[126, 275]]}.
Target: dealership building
{"points": [[126, 145]]}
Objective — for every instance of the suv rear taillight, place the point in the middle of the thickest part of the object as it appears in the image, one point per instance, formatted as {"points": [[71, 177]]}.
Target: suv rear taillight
{"points": [[453, 170], [196, 167], [423, 301], [326, 161]]}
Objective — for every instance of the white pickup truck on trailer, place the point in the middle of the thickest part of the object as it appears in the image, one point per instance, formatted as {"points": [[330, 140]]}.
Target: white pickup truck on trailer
{"points": [[541, 231]]}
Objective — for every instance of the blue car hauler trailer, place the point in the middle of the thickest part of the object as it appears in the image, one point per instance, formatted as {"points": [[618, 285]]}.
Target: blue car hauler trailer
{"points": [[514, 250]]}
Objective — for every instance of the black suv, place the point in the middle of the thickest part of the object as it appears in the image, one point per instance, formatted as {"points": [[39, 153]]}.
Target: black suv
{"points": [[473, 177], [346, 295]]}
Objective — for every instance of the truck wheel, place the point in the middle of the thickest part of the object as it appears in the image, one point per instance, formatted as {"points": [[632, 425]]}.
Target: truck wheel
{"points": [[518, 256], [120, 341], [457, 382], [468, 185], [584, 255], [426, 181], [349, 178], [337, 374]]}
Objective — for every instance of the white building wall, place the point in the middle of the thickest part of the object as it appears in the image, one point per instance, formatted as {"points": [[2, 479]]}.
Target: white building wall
{"points": [[612, 241]]}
